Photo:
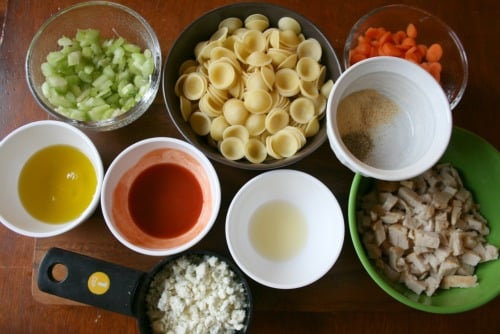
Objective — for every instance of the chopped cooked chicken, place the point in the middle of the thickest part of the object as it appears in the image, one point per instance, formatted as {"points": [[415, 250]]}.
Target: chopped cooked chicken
{"points": [[426, 232]]}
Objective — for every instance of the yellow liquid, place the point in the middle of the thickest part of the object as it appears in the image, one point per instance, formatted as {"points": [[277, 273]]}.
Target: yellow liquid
{"points": [[57, 184], [278, 230]]}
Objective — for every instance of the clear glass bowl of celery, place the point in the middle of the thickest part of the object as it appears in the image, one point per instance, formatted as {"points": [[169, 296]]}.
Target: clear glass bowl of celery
{"points": [[95, 65]]}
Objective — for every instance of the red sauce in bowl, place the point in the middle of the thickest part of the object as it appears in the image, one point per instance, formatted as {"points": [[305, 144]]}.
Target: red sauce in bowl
{"points": [[165, 200]]}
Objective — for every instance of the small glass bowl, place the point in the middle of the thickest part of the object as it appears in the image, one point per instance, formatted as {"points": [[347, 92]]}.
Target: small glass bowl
{"points": [[112, 20], [430, 29]]}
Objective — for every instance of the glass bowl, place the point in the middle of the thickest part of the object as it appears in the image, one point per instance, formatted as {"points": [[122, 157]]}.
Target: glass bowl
{"points": [[430, 29], [112, 20]]}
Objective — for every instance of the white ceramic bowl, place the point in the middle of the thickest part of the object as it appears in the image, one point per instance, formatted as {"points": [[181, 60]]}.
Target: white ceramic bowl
{"points": [[129, 165], [323, 234], [410, 142], [15, 150]]}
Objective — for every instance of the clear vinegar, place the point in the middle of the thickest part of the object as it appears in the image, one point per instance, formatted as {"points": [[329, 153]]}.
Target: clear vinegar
{"points": [[278, 230]]}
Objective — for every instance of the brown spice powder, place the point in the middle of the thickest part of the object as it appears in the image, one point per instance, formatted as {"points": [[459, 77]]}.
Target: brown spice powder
{"points": [[358, 115]]}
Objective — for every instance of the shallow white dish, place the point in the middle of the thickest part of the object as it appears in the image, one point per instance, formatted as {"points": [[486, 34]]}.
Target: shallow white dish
{"points": [[324, 221]]}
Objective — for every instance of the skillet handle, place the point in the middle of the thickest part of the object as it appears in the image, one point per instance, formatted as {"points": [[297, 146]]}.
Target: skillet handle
{"points": [[89, 281]]}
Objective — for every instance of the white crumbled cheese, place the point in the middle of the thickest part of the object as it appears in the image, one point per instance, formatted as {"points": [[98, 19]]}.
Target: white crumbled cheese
{"points": [[196, 294]]}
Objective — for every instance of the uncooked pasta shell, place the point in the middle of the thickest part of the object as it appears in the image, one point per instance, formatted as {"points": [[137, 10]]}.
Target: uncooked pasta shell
{"points": [[308, 69], [232, 148], [234, 111], [254, 41], [310, 48], [200, 123], [231, 23], [186, 108], [268, 76], [309, 89], [256, 124], [289, 62], [287, 82], [255, 151], [258, 59], [302, 110], [289, 23], [284, 143], [194, 86], [221, 74], [257, 101], [237, 131], [276, 120], [257, 22], [219, 124], [209, 106]]}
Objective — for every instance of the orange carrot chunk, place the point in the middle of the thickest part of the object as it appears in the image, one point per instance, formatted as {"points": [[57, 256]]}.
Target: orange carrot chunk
{"points": [[411, 31], [434, 53]]}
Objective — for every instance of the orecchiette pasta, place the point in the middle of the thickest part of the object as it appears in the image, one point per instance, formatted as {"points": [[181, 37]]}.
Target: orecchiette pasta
{"points": [[255, 91]]}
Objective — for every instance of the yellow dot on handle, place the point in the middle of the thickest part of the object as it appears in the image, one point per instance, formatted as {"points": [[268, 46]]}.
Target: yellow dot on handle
{"points": [[98, 283]]}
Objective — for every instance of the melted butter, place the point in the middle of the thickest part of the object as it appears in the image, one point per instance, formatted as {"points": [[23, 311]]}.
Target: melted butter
{"points": [[57, 184], [278, 230]]}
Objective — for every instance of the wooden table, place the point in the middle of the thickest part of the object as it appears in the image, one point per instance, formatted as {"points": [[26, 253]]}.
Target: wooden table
{"points": [[345, 300]]}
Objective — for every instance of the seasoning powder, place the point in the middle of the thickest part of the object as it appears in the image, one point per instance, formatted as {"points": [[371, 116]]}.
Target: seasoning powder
{"points": [[358, 115]]}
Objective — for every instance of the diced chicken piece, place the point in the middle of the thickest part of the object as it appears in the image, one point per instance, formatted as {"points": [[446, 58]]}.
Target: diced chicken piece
{"points": [[470, 258], [442, 253], [432, 260], [426, 239], [432, 284], [398, 236], [441, 223], [463, 195], [441, 199], [455, 242], [465, 270], [388, 200], [410, 184], [379, 232], [458, 281], [486, 252], [392, 217], [477, 225], [410, 197], [413, 283], [417, 264], [426, 212], [456, 212], [448, 267], [396, 261], [431, 178], [470, 239]]}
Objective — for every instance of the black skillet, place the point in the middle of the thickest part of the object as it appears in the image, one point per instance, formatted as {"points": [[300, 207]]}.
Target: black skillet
{"points": [[124, 292]]}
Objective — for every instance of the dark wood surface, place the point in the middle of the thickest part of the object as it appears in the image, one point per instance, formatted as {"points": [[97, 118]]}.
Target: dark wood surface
{"points": [[343, 301]]}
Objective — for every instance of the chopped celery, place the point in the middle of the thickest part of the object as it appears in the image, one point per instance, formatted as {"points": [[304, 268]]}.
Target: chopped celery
{"points": [[90, 78]]}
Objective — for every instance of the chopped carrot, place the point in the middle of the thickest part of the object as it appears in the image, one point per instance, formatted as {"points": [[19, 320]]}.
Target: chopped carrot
{"points": [[411, 31], [389, 49], [434, 53], [378, 41]]}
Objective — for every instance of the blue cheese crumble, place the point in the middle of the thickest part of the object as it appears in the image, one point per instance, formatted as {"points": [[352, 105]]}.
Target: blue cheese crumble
{"points": [[196, 294]]}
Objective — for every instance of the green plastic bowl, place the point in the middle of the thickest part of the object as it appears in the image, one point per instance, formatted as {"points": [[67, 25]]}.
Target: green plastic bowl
{"points": [[478, 163]]}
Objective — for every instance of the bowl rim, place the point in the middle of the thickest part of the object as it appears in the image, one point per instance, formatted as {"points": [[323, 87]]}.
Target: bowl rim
{"points": [[378, 277], [461, 50], [118, 121], [214, 155], [215, 189]]}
